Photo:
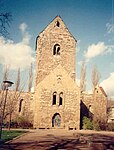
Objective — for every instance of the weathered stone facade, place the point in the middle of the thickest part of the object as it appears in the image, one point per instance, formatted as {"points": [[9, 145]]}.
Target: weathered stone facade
{"points": [[94, 105], [57, 101], [110, 111], [55, 79]]}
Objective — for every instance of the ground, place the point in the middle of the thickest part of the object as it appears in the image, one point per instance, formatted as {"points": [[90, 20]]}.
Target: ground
{"points": [[62, 140]]}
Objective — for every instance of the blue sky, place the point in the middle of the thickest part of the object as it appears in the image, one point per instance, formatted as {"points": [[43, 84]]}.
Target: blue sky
{"points": [[90, 22]]}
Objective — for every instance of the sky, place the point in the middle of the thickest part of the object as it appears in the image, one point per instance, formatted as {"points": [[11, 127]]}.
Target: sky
{"points": [[91, 22]]}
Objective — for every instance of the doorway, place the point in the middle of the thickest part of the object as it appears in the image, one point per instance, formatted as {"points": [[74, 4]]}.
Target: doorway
{"points": [[56, 120]]}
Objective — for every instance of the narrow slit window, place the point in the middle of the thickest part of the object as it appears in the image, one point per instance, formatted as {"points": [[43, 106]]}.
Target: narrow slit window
{"points": [[58, 24], [54, 98], [20, 105], [61, 98]]}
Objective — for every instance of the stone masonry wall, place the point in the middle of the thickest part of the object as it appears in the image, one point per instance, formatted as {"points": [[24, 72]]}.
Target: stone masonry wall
{"points": [[45, 60]]}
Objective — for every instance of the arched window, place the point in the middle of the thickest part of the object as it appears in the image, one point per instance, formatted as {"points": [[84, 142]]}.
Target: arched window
{"points": [[54, 98], [56, 49], [20, 105], [61, 98]]}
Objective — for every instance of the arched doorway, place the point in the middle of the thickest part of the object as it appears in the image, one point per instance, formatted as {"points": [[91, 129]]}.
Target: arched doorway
{"points": [[56, 120]]}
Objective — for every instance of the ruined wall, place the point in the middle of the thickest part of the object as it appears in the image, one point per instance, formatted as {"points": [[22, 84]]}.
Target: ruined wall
{"points": [[13, 107], [27, 106], [96, 104], [100, 105]]}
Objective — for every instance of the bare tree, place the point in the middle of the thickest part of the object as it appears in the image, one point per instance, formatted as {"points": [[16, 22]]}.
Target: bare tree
{"points": [[13, 98], [95, 77], [30, 78], [17, 83], [98, 117], [83, 77], [5, 77], [5, 20], [3, 97], [6, 72]]}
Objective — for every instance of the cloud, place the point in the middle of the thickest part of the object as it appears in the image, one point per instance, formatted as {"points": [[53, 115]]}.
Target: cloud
{"points": [[98, 49], [23, 27], [95, 50], [108, 85], [110, 28], [25, 35], [16, 54]]}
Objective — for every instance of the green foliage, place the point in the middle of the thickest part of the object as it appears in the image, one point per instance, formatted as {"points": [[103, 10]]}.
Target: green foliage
{"points": [[87, 123], [9, 135]]}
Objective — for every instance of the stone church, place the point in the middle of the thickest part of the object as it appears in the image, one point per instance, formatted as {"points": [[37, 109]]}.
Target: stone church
{"points": [[57, 96], [57, 101]]}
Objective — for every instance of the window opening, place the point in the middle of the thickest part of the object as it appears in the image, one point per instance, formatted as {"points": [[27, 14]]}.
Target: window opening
{"points": [[57, 24], [89, 107], [54, 98], [20, 105], [61, 98], [56, 49]]}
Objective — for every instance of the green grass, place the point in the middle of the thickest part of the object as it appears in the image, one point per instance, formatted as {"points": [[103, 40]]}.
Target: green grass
{"points": [[9, 135]]}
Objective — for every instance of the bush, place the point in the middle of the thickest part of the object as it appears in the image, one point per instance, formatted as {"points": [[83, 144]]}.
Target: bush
{"points": [[96, 126], [99, 125], [24, 123], [14, 124], [87, 123], [110, 127]]}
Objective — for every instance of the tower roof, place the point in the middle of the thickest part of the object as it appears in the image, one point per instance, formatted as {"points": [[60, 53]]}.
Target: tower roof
{"points": [[57, 21]]}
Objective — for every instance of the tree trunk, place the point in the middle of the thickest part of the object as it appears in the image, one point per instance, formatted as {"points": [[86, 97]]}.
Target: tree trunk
{"points": [[10, 118]]}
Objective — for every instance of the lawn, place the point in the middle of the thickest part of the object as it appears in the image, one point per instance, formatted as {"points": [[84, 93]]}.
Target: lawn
{"points": [[9, 135]]}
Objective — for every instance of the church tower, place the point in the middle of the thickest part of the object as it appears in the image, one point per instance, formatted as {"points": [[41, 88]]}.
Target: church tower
{"points": [[55, 45], [57, 97]]}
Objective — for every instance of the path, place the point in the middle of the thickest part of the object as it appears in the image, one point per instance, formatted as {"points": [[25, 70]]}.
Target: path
{"points": [[62, 140]]}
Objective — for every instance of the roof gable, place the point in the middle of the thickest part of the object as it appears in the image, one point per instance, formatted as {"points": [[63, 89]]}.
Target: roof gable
{"points": [[58, 78], [101, 90], [56, 25]]}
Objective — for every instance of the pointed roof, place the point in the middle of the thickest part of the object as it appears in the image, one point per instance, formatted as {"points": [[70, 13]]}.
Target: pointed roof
{"points": [[52, 24], [102, 90]]}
